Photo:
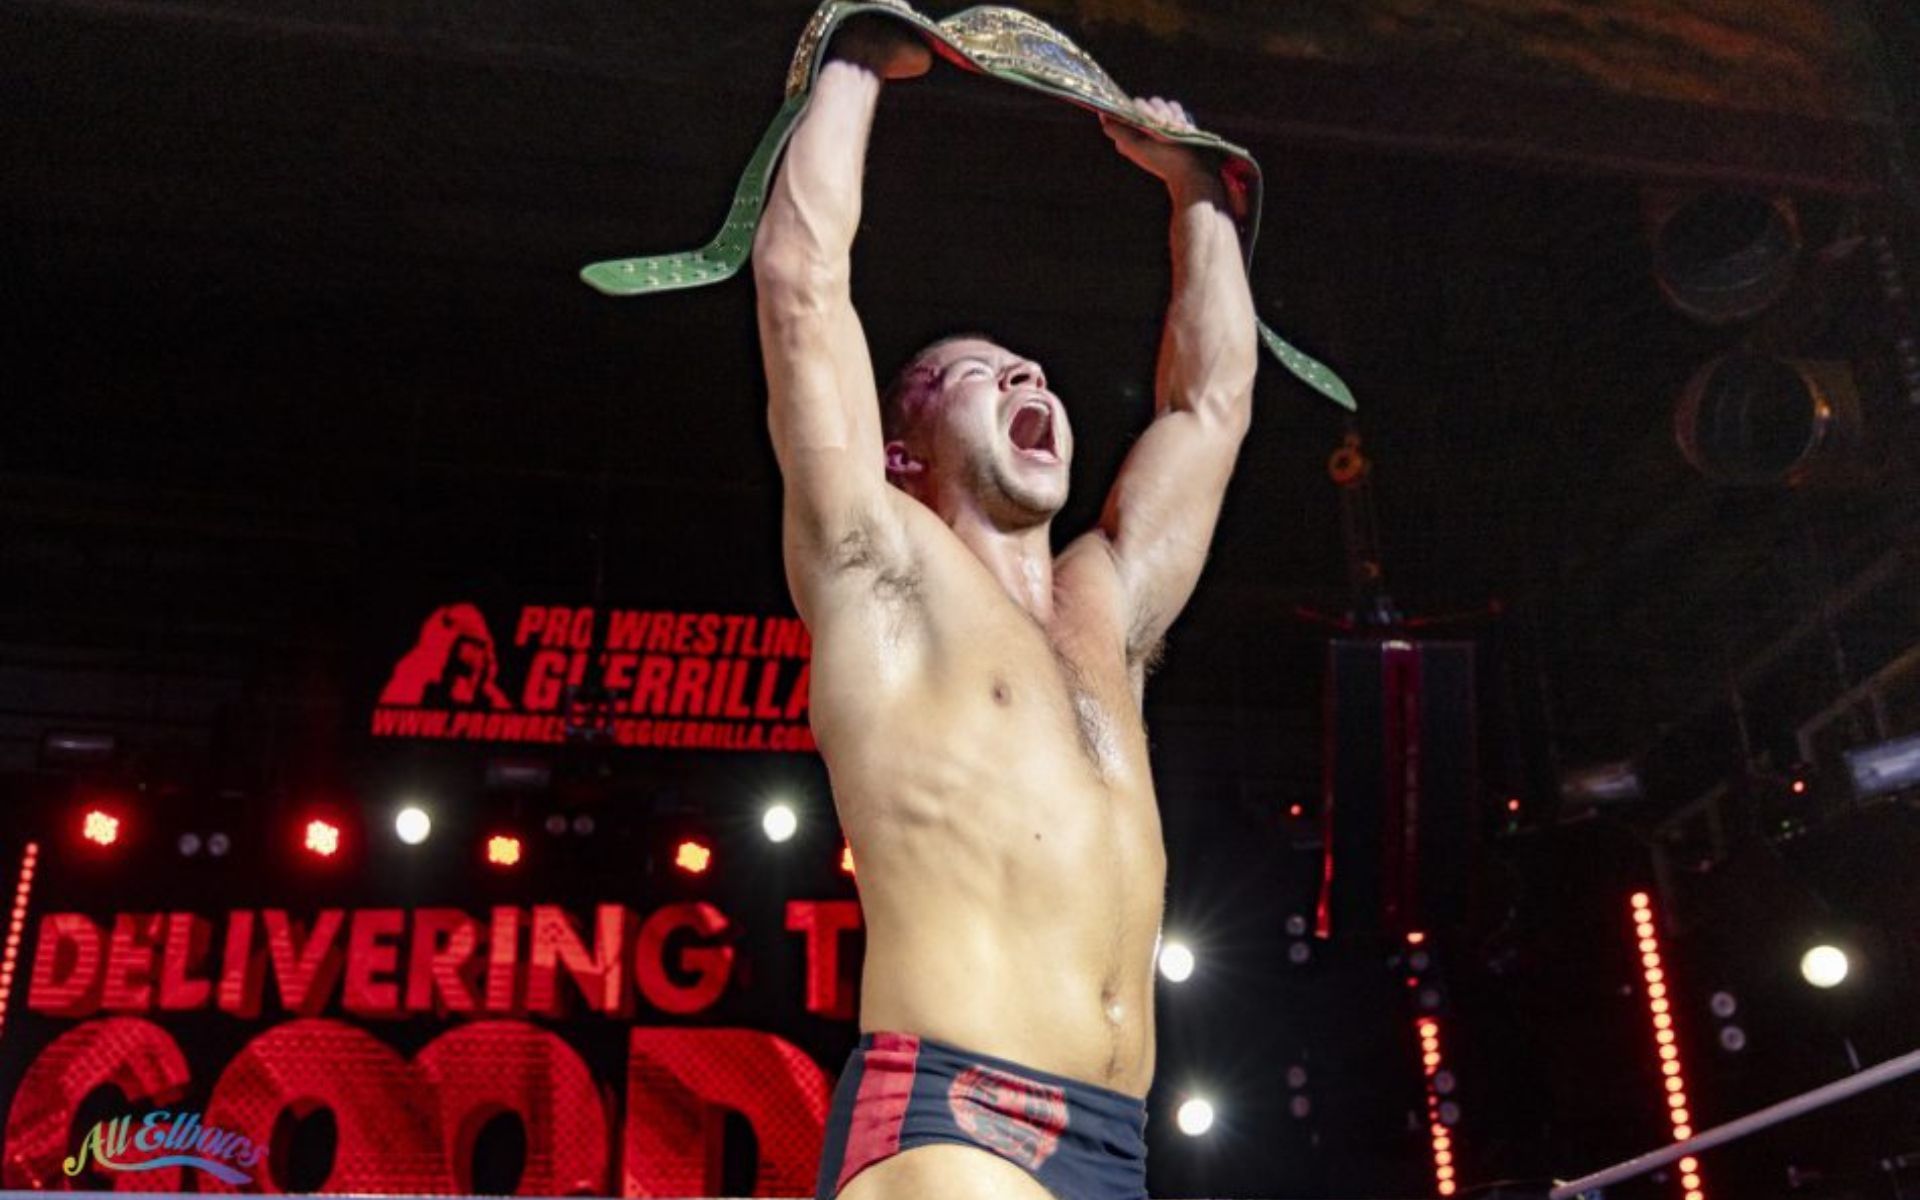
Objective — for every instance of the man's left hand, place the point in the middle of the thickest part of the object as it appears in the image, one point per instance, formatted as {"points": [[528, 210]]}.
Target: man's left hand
{"points": [[1171, 162]]}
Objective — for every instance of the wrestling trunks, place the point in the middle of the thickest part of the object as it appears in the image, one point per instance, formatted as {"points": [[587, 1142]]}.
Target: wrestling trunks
{"points": [[899, 1091]]}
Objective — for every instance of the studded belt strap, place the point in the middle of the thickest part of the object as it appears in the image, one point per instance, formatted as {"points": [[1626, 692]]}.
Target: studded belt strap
{"points": [[1004, 43]]}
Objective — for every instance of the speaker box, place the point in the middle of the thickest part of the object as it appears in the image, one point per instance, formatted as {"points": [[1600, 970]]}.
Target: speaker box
{"points": [[1400, 785]]}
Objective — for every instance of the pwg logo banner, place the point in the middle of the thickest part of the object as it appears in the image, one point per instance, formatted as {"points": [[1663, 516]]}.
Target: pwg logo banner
{"points": [[687, 680]]}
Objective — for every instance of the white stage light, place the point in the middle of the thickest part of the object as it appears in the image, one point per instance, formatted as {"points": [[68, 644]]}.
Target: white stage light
{"points": [[1195, 1117], [412, 825], [1824, 966], [780, 822], [1176, 962]]}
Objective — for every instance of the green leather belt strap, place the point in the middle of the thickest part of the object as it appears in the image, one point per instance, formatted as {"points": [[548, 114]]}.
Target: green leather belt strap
{"points": [[1004, 43]]}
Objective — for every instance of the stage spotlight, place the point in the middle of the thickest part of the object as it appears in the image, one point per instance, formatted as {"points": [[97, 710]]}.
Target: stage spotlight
{"points": [[1721, 256], [218, 844], [1602, 784], [412, 825], [693, 856], [100, 827], [322, 838], [189, 845], [1300, 1108], [1733, 1039], [68, 748], [556, 824], [1753, 419], [1824, 966], [1195, 1117], [779, 822], [1176, 962], [1723, 1004], [583, 826], [517, 775], [846, 857], [503, 850], [1887, 767]]}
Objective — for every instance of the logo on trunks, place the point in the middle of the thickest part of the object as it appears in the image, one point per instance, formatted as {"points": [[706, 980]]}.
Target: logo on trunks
{"points": [[1016, 1118]]}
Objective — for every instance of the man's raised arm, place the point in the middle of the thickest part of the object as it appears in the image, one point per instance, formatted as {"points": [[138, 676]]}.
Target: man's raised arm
{"points": [[1160, 516], [822, 407]]}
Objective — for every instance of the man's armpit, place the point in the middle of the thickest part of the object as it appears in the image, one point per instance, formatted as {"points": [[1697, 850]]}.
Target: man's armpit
{"points": [[896, 579]]}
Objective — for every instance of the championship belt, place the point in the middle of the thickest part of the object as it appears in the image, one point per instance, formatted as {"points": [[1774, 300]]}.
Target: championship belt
{"points": [[1005, 44]]}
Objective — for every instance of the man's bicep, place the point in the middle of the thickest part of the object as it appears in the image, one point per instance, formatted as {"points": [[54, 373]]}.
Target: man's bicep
{"points": [[822, 409], [1161, 514]]}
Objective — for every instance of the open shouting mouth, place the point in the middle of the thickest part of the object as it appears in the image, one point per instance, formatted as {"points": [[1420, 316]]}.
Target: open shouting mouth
{"points": [[1033, 431]]}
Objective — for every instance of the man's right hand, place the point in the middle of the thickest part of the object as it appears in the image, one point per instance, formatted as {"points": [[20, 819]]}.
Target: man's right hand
{"points": [[882, 46]]}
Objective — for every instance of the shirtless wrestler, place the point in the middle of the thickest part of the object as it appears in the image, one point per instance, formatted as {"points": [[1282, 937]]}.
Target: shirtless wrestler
{"points": [[976, 698]]}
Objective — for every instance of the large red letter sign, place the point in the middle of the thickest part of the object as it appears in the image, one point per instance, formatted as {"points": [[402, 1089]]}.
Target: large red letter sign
{"points": [[679, 1079], [133, 1055]]}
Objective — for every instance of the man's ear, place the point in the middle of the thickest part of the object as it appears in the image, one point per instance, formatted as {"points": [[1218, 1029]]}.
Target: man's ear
{"points": [[901, 463]]}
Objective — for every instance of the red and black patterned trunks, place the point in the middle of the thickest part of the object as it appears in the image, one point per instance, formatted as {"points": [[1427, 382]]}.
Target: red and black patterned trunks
{"points": [[899, 1091]]}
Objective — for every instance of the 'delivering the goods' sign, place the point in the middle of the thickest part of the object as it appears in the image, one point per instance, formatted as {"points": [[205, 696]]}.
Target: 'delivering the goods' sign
{"points": [[628, 677]]}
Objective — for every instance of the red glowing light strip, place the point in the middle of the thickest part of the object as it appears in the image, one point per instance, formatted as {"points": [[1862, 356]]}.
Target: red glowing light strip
{"points": [[1666, 1041], [1441, 1136], [16, 927]]}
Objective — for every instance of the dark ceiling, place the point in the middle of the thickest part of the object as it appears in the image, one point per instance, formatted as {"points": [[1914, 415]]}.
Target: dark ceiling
{"points": [[296, 346]]}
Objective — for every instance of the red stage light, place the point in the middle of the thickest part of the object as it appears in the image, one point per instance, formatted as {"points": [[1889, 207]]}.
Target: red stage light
{"points": [[503, 850], [100, 827], [1431, 1064], [1799, 787], [1513, 804], [693, 856], [22, 892], [323, 837], [1660, 1010], [1415, 937]]}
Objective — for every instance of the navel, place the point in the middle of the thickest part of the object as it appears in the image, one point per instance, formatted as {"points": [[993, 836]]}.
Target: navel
{"points": [[1002, 694]]}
